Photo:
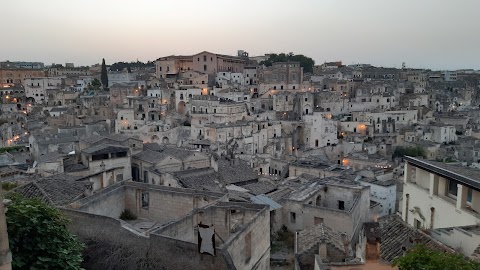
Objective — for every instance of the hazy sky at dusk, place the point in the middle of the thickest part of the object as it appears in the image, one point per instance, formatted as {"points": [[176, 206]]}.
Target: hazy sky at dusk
{"points": [[438, 34]]}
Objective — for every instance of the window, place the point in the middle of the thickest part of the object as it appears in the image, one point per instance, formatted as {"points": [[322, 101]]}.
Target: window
{"points": [[293, 217], [341, 205], [145, 176], [145, 200], [452, 188], [317, 220], [204, 58], [316, 143], [204, 67], [417, 223]]}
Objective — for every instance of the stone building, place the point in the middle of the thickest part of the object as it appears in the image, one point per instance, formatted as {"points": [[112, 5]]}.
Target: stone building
{"points": [[171, 226], [279, 76], [205, 62], [337, 203], [36, 88], [102, 157], [166, 159], [11, 76]]}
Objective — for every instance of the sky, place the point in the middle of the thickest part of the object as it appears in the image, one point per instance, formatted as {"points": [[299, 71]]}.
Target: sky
{"points": [[436, 34]]}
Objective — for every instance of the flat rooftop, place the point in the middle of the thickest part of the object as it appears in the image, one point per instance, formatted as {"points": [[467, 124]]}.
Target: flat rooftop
{"points": [[465, 175]]}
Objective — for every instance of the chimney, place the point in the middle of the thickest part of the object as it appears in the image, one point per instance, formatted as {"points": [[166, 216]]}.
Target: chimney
{"points": [[5, 254]]}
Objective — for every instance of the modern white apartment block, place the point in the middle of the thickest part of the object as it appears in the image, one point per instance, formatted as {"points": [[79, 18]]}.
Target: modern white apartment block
{"points": [[440, 195]]}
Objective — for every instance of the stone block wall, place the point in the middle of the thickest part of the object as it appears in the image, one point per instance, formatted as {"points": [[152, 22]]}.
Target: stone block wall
{"points": [[109, 246]]}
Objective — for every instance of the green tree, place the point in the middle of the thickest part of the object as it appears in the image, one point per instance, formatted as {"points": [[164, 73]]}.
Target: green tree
{"points": [[413, 151], [421, 257], [39, 238], [104, 76], [95, 85], [306, 62]]}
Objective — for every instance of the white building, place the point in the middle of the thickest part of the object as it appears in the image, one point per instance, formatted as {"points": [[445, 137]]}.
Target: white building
{"points": [[323, 131], [443, 134], [120, 77], [229, 78], [382, 192], [440, 195], [36, 88]]}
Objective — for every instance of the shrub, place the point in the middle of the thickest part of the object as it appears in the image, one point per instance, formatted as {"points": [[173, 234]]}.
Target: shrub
{"points": [[8, 186], [39, 237], [127, 215], [286, 237]]}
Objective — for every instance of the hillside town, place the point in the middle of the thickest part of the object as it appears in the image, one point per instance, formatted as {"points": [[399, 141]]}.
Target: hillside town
{"points": [[245, 162]]}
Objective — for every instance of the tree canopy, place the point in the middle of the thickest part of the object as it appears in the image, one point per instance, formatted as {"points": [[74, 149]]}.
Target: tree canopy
{"points": [[119, 66], [421, 257], [95, 85], [413, 151], [39, 238], [306, 62]]}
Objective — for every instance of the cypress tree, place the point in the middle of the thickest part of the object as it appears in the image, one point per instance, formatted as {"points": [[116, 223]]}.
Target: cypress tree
{"points": [[104, 76]]}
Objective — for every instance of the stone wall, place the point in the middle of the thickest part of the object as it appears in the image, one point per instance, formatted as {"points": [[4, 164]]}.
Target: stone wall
{"points": [[165, 204], [109, 247], [110, 202]]}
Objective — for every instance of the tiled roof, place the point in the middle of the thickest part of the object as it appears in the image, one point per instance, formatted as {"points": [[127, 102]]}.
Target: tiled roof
{"points": [[179, 153], [74, 167], [58, 109], [202, 179], [60, 140], [398, 237], [59, 189], [280, 194], [153, 147], [311, 236], [236, 171], [150, 156], [105, 149], [258, 188], [49, 157]]}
